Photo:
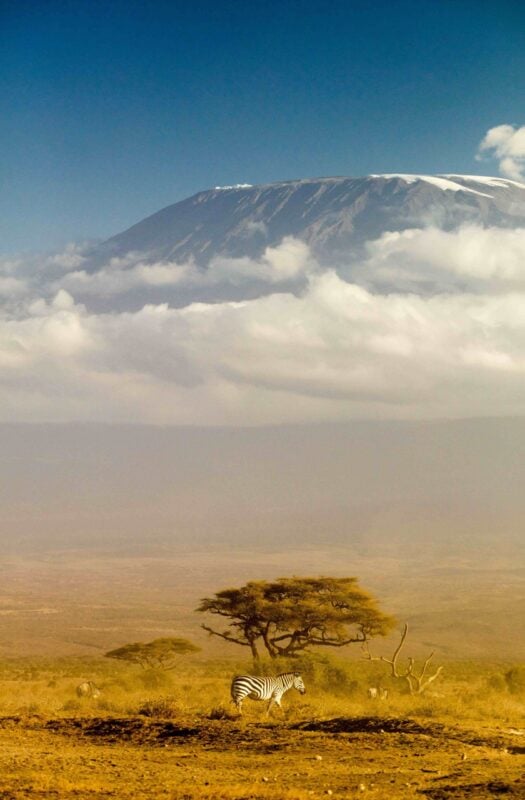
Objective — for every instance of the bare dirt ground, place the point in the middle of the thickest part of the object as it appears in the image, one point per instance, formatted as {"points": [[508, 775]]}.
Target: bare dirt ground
{"points": [[191, 758]]}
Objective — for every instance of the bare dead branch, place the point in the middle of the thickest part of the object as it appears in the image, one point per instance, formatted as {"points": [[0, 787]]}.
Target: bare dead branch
{"points": [[417, 684]]}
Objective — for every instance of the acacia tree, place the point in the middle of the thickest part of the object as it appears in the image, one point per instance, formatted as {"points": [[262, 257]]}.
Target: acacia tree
{"points": [[158, 654], [289, 615]]}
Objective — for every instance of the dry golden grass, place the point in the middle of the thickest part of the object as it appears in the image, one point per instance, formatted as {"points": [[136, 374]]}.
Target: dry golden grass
{"points": [[467, 691], [175, 735]]}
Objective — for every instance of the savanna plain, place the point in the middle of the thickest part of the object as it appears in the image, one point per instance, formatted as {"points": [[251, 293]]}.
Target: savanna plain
{"points": [[154, 733], [100, 551], [171, 735]]}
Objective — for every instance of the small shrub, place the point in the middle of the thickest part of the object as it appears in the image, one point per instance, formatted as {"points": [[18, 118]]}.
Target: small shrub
{"points": [[497, 683], [106, 705], [71, 705], [515, 680], [30, 708], [160, 708], [427, 710], [219, 712]]}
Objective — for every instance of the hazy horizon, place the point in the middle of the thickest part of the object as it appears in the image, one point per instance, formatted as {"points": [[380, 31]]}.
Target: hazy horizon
{"points": [[71, 481]]}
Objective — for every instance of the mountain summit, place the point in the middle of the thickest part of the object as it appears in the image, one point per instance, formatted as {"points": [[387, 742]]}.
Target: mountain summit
{"points": [[334, 216]]}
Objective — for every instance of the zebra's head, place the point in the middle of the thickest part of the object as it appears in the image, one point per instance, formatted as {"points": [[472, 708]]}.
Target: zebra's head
{"points": [[298, 683]]}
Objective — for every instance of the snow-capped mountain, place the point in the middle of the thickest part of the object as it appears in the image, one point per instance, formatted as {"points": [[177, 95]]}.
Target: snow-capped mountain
{"points": [[395, 297], [334, 216]]}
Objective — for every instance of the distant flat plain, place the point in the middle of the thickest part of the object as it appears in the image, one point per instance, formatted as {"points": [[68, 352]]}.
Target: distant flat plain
{"points": [[114, 533]]}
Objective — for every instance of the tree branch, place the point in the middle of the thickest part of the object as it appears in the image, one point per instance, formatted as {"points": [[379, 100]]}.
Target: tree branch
{"points": [[416, 683], [225, 635]]}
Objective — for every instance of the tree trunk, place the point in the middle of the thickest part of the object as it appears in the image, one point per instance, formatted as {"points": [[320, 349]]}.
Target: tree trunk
{"points": [[273, 651], [255, 652]]}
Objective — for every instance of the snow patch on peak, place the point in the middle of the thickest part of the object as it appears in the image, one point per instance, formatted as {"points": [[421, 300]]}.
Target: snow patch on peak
{"points": [[233, 186], [486, 180], [442, 182]]}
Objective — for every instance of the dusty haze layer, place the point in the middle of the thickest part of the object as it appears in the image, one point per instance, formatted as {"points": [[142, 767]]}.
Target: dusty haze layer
{"points": [[112, 534]]}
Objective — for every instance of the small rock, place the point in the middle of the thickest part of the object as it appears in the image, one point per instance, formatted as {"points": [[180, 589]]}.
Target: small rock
{"points": [[264, 779], [328, 791], [361, 787], [318, 758]]}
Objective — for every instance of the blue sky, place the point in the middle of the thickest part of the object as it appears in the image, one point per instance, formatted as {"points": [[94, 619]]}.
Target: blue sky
{"points": [[112, 110]]}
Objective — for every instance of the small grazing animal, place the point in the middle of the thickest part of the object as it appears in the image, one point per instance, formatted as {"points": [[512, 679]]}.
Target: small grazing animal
{"points": [[88, 689], [271, 689], [377, 693]]}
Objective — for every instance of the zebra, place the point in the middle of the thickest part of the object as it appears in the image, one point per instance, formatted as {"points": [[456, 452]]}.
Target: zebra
{"points": [[88, 689], [271, 689]]}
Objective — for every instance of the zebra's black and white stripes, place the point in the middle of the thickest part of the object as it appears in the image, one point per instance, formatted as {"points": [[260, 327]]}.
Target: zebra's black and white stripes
{"points": [[271, 689]]}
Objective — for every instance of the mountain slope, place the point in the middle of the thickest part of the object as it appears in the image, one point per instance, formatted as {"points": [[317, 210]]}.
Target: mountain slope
{"points": [[335, 216]]}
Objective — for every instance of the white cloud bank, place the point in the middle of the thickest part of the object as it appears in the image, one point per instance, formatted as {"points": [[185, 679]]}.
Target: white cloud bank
{"points": [[431, 325], [507, 144], [289, 261], [430, 260]]}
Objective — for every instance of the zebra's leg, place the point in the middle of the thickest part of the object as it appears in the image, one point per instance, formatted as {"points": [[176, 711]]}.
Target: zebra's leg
{"points": [[275, 699], [237, 702], [278, 702]]}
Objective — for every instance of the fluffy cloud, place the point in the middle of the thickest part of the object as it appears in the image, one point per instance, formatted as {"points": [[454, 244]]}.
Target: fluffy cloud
{"points": [[121, 276], [431, 260], [289, 261], [429, 325], [507, 144], [335, 351]]}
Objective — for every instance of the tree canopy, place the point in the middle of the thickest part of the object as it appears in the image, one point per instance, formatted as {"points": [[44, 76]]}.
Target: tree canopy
{"points": [[158, 654], [289, 615]]}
